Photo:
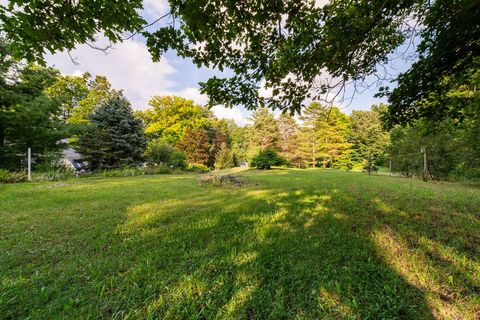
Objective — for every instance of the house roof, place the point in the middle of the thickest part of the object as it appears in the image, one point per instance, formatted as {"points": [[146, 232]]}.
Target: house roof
{"points": [[70, 154]]}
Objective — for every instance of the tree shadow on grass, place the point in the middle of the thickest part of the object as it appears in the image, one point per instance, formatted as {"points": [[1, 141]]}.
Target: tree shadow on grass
{"points": [[287, 249], [436, 249], [295, 255], [319, 261]]}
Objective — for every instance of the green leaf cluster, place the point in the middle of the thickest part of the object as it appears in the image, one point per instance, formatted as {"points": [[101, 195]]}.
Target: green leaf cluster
{"points": [[29, 117]]}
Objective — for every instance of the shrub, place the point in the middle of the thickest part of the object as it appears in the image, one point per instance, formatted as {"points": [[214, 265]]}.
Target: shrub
{"points": [[153, 170], [349, 166], [370, 165], [266, 159], [52, 168], [199, 168], [12, 177], [132, 171], [50, 161], [158, 153], [178, 160], [161, 153]]}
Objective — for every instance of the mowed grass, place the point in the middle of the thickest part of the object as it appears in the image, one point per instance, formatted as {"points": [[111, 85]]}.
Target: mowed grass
{"points": [[287, 244]]}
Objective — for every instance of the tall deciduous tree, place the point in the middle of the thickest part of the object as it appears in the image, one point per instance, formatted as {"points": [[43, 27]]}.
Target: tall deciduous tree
{"points": [[196, 145], [236, 138], [70, 90], [29, 118], [80, 96], [170, 117], [449, 60], [452, 150], [114, 136], [37, 26], [217, 140]]}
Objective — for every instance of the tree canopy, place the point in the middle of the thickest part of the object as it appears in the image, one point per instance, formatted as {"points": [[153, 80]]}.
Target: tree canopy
{"points": [[80, 96], [170, 117], [325, 135], [29, 118], [38, 27], [263, 43], [264, 129], [442, 83]]}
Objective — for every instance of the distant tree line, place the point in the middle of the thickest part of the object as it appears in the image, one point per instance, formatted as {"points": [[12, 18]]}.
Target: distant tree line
{"points": [[46, 111]]}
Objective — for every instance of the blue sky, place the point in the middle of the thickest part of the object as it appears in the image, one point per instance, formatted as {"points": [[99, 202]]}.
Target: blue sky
{"points": [[128, 66]]}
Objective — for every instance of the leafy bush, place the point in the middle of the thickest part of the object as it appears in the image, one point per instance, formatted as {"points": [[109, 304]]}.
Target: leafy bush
{"points": [[158, 152], [349, 166], [161, 153], [50, 161], [153, 170], [266, 159], [52, 168], [199, 168], [12, 177], [178, 160]]}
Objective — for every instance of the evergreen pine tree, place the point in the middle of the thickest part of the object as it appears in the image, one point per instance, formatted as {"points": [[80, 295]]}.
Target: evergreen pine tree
{"points": [[367, 135], [114, 137], [224, 158], [326, 130], [265, 130], [289, 140]]}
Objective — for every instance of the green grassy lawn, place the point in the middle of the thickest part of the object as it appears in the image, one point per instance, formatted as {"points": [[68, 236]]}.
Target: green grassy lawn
{"points": [[291, 244]]}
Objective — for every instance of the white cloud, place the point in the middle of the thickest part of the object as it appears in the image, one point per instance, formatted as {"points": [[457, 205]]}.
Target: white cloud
{"points": [[155, 8], [233, 113], [192, 94], [76, 73], [127, 66], [264, 91]]}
